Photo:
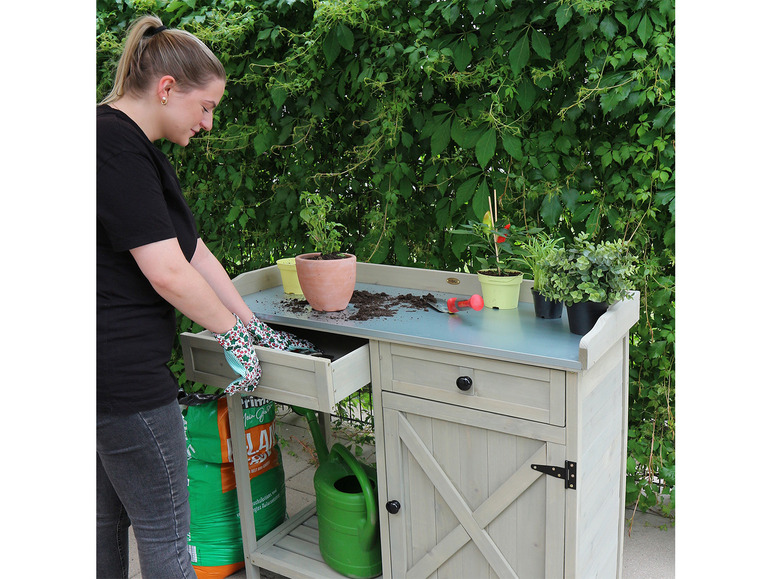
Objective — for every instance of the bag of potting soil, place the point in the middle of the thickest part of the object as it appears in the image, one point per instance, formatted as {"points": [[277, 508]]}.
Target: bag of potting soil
{"points": [[214, 541]]}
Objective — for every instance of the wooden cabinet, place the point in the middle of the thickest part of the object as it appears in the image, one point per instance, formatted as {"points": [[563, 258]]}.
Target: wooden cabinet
{"points": [[461, 467], [500, 437]]}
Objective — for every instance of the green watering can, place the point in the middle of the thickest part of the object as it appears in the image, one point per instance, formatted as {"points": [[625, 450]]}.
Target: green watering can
{"points": [[346, 508]]}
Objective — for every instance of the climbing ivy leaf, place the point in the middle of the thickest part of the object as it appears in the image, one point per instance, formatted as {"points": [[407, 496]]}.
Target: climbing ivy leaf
{"points": [[345, 37], [541, 44], [644, 29], [450, 12], [440, 138], [485, 147], [465, 137], [466, 190], [513, 146], [563, 15], [462, 55], [609, 27], [551, 209], [331, 48], [519, 55], [401, 250], [481, 199], [261, 143], [526, 94], [278, 95]]}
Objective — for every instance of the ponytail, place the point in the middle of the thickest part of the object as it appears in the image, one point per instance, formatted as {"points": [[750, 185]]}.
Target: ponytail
{"points": [[152, 51]]}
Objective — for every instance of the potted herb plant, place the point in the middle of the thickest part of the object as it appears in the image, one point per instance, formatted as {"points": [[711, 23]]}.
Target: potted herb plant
{"points": [[535, 249], [499, 279], [327, 277], [588, 277]]}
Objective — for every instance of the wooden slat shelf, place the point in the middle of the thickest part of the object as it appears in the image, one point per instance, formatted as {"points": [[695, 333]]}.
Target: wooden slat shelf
{"points": [[293, 549]]}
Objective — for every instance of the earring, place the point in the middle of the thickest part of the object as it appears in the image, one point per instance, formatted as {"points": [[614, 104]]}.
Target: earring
{"points": [[163, 100]]}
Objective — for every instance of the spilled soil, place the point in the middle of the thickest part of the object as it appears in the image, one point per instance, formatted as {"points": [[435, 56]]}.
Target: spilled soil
{"points": [[369, 305]]}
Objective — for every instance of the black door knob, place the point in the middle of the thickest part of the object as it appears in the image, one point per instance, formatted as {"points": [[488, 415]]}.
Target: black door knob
{"points": [[464, 383], [393, 507]]}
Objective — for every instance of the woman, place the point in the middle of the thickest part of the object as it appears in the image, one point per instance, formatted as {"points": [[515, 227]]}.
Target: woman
{"points": [[150, 261]]}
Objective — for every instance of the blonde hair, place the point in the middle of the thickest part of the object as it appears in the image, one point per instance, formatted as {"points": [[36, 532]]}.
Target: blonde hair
{"points": [[150, 54]]}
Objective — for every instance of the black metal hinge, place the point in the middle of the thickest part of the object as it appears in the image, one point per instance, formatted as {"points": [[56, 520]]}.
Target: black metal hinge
{"points": [[568, 474]]}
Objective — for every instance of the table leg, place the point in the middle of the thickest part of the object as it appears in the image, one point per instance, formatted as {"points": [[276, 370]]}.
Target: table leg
{"points": [[243, 487]]}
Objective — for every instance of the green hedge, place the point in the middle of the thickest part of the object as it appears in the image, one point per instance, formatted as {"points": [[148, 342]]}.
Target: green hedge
{"points": [[410, 113]]}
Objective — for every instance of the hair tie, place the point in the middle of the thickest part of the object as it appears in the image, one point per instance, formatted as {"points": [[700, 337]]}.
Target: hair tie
{"points": [[153, 31]]}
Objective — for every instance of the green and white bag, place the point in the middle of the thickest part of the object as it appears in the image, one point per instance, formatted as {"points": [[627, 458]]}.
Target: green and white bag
{"points": [[214, 541]]}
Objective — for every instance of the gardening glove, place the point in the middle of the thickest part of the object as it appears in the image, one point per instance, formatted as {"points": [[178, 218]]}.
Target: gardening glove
{"points": [[241, 356], [278, 340]]}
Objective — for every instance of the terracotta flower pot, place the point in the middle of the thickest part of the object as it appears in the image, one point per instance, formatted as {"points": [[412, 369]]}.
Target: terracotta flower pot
{"points": [[327, 284]]}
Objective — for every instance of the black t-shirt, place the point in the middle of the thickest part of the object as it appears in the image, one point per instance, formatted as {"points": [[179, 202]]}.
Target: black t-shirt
{"points": [[139, 201]]}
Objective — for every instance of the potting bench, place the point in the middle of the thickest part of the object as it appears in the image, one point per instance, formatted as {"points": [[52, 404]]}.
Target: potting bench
{"points": [[500, 437]]}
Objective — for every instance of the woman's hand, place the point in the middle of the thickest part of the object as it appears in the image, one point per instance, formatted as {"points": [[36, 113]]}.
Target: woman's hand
{"points": [[241, 356], [270, 338]]}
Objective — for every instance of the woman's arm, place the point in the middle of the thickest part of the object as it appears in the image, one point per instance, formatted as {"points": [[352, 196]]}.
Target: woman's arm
{"points": [[179, 283], [213, 272]]}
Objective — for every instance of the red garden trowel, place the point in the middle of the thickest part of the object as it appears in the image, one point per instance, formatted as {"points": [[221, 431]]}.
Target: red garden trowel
{"points": [[454, 304]]}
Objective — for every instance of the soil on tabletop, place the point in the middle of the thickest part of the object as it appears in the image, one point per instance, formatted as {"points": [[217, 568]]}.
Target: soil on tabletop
{"points": [[371, 305]]}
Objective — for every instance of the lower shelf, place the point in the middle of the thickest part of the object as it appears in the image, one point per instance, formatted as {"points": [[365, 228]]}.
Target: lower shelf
{"points": [[292, 549]]}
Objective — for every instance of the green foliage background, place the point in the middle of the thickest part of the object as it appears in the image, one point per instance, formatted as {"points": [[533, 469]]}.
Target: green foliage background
{"points": [[410, 113]]}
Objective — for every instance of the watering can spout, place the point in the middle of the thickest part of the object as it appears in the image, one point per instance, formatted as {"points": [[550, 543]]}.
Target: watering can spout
{"points": [[316, 432]]}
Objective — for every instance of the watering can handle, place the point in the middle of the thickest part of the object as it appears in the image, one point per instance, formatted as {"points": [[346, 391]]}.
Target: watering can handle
{"points": [[370, 530]]}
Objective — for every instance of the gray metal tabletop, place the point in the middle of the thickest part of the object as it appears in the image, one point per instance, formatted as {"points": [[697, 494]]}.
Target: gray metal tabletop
{"points": [[516, 335]]}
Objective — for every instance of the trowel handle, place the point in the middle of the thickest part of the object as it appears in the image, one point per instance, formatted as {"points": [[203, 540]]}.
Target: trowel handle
{"points": [[475, 302]]}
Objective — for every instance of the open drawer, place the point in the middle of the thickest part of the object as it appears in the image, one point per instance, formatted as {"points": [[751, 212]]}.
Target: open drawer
{"points": [[288, 378]]}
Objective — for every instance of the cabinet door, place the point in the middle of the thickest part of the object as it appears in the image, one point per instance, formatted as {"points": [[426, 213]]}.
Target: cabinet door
{"points": [[470, 503]]}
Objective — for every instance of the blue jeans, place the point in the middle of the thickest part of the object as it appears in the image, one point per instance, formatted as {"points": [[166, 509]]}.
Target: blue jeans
{"points": [[142, 481]]}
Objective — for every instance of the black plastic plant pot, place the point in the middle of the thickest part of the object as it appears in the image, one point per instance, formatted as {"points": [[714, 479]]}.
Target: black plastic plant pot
{"points": [[583, 315], [546, 308]]}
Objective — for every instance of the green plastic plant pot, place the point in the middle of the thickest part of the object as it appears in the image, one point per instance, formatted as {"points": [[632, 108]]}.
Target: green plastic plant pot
{"points": [[289, 276], [500, 292]]}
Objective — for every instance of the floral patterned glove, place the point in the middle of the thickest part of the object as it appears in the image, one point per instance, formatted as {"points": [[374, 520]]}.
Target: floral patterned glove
{"points": [[270, 338], [241, 356]]}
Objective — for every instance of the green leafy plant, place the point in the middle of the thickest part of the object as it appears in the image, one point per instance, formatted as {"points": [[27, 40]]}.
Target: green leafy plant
{"points": [[323, 233], [499, 243], [587, 271], [535, 249]]}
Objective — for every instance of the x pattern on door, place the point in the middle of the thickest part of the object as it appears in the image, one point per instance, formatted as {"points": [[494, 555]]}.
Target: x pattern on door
{"points": [[472, 524]]}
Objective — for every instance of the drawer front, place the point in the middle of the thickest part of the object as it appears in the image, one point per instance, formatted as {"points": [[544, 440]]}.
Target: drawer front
{"points": [[519, 390], [287, 377]]}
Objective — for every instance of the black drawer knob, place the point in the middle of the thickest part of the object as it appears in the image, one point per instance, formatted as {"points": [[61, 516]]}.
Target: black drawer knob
{"points": [[393, 507], [464, 383]]}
